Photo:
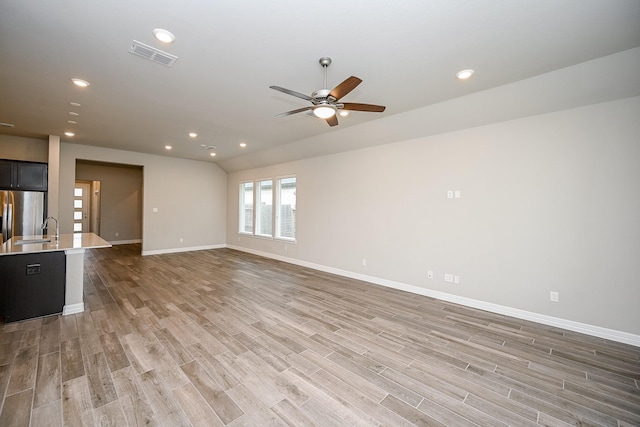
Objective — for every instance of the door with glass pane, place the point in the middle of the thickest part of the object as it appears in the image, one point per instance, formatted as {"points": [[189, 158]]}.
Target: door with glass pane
{"points": [[81, 194]]}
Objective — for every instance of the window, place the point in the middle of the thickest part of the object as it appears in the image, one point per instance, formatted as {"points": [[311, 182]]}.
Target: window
{"points": [[286, 213], [264, 208], [257, 215], [245, 222], [81, 203]]}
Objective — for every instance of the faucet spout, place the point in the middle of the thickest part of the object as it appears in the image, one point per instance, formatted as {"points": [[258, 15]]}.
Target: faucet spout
{"points": [[46, 222]]}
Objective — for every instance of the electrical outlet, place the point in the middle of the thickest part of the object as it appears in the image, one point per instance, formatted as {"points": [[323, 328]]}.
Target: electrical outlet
{"points": [[429, 274], [117, 234], [456, 279], [181, 240], [450, 194], [456, 194], [364, 261], [448, 278], [553, 296]]}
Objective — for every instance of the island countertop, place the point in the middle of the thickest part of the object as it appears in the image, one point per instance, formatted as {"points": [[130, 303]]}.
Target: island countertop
{"points": [[66, 242]]}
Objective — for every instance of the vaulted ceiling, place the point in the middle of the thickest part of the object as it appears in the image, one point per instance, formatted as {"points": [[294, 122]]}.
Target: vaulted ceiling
{"points": [[229, 52]]}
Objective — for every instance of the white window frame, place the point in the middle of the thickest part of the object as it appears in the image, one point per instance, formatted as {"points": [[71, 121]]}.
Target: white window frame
{"points": [[242, 208], [258, 207], [275, 209], [278, 208]]}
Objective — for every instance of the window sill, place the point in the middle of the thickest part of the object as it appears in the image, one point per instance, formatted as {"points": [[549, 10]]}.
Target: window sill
{"points": [[266, 237]]}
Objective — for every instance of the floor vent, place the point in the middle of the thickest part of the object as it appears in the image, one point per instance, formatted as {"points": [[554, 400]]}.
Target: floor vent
{"points": [[152, 54]]}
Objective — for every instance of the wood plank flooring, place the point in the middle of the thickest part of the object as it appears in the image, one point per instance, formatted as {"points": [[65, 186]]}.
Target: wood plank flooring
{"points": [[224, 338]]}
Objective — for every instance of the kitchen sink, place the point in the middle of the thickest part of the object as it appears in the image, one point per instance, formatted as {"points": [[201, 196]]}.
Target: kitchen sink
{"points": [[31, 241]]}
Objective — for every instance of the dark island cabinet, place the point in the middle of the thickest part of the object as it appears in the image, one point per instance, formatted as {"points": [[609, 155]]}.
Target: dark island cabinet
{"points": [[31, 285], [25, 176]]}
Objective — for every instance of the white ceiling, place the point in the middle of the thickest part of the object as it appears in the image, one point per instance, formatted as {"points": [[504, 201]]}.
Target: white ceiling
{"points": [[230, 52]]}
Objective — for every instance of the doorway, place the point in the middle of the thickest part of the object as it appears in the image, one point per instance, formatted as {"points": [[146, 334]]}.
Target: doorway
{"points": [[115, 200]]}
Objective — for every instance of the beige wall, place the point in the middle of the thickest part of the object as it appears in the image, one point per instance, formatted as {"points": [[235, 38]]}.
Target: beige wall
{"points": [[548, 203], [121, 199], [27, 149], [190, 197]]}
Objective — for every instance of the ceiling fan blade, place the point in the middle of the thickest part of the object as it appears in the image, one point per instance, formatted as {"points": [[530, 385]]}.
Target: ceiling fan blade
{"points": [[354, 106], [299, 110], [345, 87], [332, 121], [292, 92]]}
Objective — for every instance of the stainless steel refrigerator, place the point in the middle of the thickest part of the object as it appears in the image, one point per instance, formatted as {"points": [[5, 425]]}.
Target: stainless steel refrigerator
{"points": [[23, 213]]}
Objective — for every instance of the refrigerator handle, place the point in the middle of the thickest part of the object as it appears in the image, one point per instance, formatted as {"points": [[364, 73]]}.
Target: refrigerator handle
{"points": [[2, 221], [8, 229]]}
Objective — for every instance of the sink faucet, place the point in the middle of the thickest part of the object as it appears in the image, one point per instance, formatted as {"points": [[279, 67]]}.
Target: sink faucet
{"points": [[46, 221]]}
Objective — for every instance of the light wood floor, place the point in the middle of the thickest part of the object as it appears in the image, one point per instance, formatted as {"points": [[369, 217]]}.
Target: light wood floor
{"points": [[220, 337]]}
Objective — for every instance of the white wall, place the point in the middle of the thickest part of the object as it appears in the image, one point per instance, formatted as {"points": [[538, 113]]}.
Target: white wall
{"points": [[549, 203], [190, 197]]}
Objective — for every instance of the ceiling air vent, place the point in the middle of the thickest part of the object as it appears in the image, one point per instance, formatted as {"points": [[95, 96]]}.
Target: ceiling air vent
{"points": [[152, 54]]}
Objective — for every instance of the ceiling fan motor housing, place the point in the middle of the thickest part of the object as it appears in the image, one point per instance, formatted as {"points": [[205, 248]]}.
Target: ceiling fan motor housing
{"points": [[321, 96]]}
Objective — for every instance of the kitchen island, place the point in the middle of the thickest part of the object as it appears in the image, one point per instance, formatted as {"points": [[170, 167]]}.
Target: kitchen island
{"points": [[41, 259]]}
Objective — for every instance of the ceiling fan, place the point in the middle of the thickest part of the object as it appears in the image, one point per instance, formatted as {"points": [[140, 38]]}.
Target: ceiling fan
{"points": [[325, 101]]}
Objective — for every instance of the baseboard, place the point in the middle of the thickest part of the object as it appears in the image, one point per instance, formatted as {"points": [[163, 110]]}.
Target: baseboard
{"points": [[125, 242], [583, 328], [176, 250], [73, 309]]}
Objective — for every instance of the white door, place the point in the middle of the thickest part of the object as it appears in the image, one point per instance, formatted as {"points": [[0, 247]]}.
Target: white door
{"points": [[81, 199]]}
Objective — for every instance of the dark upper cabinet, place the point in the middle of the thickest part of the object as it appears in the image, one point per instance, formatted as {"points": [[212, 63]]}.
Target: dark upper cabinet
{"points": [[7, 174], [25, 176], [32, 176]]}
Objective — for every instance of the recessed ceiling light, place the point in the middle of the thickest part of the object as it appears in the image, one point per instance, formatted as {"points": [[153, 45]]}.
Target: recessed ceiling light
{"points": [[69, 133], [73, 122], [168, 147], [464, 74], [344, 113], [7, 125], [212, 154], [75, 104], [193, 134], [243, 144], [164, 36], [73, 113], [80, 82]]}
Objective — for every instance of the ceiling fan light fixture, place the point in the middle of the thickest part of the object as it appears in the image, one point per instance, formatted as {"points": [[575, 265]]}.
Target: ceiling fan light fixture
{"points": [[324, 112]]}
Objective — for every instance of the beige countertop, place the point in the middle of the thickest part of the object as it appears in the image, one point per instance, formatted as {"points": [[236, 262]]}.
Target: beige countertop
{"points": [[66, 242]]}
